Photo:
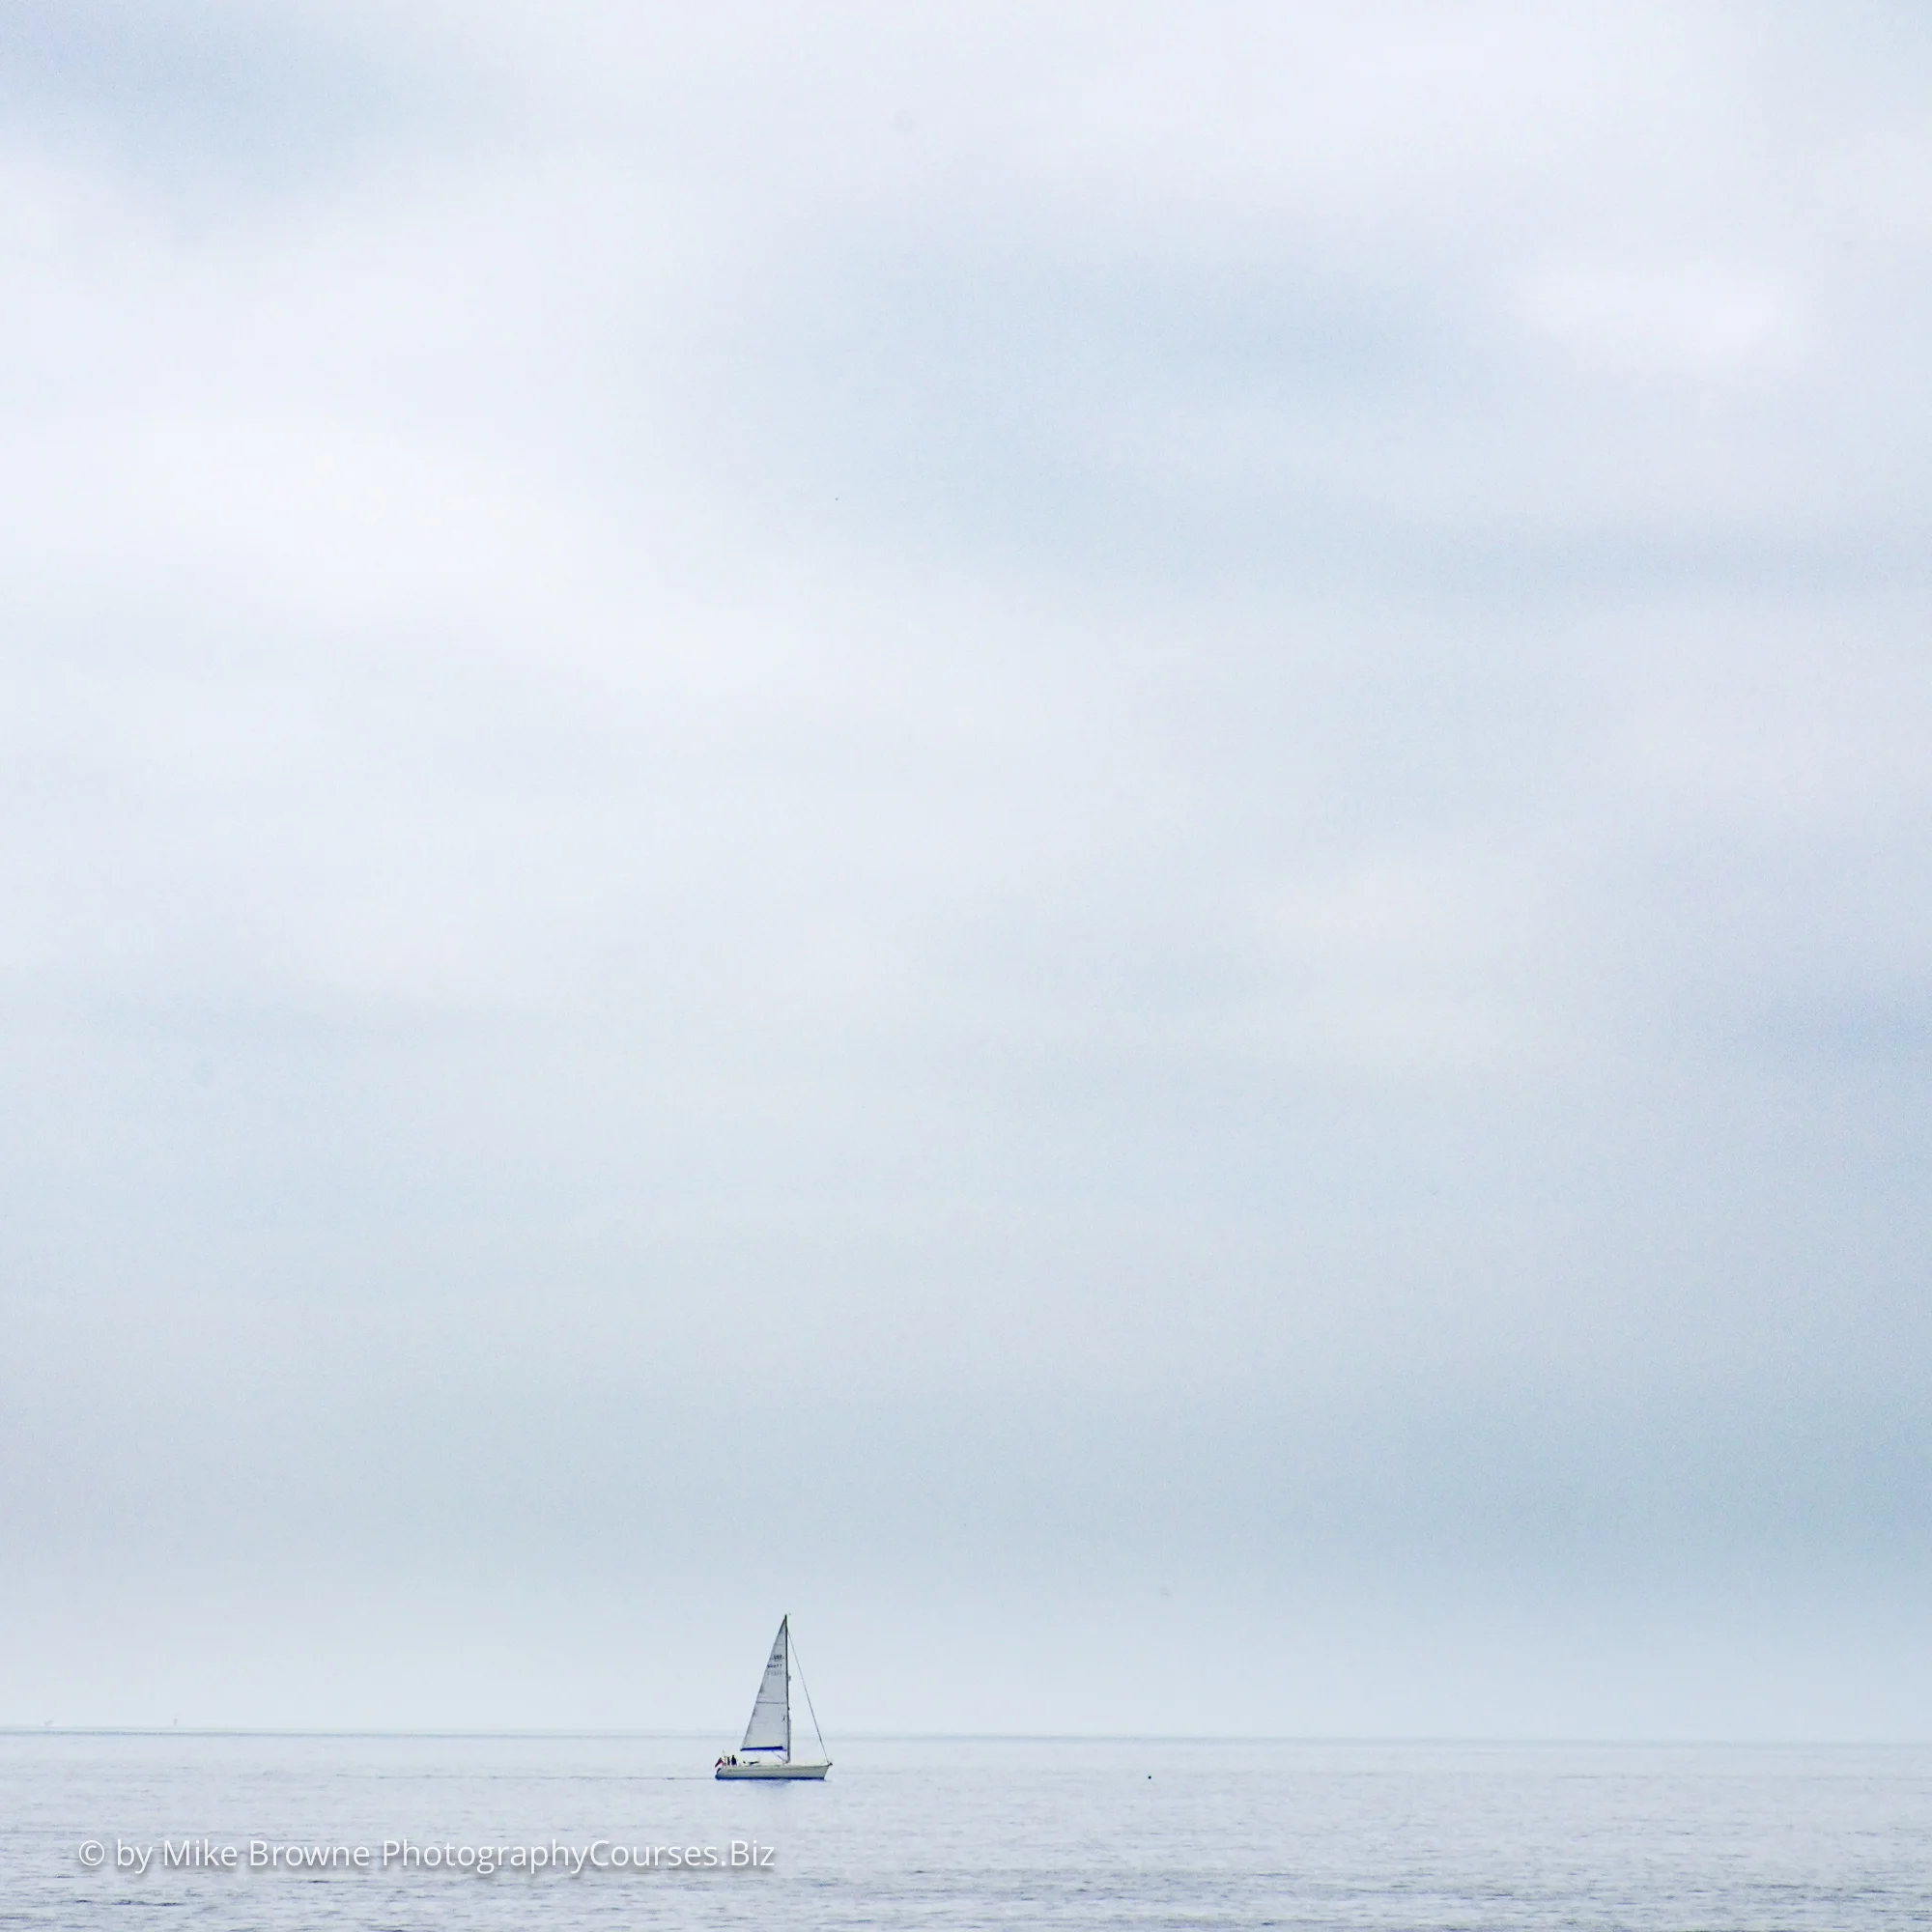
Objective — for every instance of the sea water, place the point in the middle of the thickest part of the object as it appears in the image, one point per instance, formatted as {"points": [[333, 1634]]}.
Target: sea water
{"points": [[566, 1833]]}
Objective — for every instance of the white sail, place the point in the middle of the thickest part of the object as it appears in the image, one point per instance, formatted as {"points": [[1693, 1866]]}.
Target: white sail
{"points": [[770, 1728]]}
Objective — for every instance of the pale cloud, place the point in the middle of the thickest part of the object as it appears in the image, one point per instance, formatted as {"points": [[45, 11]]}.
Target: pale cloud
{"points": [[1171, 763], [1698, 322]]}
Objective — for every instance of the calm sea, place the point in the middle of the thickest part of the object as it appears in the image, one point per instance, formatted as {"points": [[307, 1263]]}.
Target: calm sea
{"points": [[938, 1833]]}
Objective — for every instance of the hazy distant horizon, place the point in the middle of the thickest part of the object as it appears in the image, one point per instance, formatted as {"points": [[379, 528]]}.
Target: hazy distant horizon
{"points": [[1016, 1738]]}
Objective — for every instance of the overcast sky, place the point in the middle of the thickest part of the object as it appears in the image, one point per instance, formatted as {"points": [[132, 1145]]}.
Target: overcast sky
{"points": [[1095, 837]]}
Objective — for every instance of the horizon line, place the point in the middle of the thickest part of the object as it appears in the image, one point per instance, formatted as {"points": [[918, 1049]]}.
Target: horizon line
{"points": [[619, 1735]]}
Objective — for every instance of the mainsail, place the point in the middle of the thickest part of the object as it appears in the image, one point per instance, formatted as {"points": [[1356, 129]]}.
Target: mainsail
{"points": [[770, 1728]]}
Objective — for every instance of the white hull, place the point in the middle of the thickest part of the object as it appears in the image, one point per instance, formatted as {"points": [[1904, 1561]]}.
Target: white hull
{"points": [[772, 1769]]}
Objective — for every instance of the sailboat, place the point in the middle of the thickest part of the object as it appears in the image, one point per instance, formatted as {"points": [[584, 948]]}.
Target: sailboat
{"points": [[766, 1752]]}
